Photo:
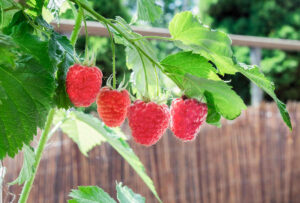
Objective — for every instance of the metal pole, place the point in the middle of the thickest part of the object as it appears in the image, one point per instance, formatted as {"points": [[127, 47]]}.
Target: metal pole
{"points": [[256, 92]]}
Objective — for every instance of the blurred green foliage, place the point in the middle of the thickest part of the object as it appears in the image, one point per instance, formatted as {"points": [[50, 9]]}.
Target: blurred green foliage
{"points": [[272, 18]]}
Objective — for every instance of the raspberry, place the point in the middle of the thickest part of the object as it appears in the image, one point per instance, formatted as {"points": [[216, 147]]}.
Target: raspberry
{"points": [[112, 106], [83, 84], [187, 117], [148, 121]]}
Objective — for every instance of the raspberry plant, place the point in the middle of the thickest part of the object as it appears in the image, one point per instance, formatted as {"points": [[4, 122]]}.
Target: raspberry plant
{"points": [[34, 65]]}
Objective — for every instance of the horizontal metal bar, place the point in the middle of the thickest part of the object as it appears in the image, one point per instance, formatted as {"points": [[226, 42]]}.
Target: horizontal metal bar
{"points": [[97, 29]]}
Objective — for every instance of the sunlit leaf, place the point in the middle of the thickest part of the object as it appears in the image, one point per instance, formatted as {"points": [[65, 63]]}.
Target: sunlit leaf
{"points": [[126, 195], [27, 168], [226, 101], [90, 194]]}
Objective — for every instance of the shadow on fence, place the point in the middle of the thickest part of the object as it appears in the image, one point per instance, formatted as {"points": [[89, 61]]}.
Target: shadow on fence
{"points": [[252, 159]]}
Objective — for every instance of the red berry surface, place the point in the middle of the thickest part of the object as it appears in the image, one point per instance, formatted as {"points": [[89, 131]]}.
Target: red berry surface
{"points": [[148, 121], [112, 106], [83, 84], [187, 115]]}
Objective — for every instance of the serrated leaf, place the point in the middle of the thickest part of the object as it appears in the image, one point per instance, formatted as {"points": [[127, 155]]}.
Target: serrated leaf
{"points": [[114, 138], [192, 35], [27, 168], [138, 63], [23, 103], [226, 101], [61, 51], [148, 10], [177, 65], [253, 73], [80, 132], [126, 195], [27, 85], [90, 194]]}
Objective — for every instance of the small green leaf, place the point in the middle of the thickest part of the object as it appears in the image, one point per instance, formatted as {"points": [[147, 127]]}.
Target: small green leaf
{"points": [[54, 7], [114, 138], [226, 101], [27, 168], [148, 10], [192, 35], [80, 132], [6, 17], [90, 194], [253, 73], [34, 7], [126, 195], [213, 117], [177, 65]]}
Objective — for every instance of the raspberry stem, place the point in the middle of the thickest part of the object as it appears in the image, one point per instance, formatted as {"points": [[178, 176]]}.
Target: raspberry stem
{"points": [[113, 55], [86, 37], [38, 155], [76, 28], [146, 78], [102, 19]]}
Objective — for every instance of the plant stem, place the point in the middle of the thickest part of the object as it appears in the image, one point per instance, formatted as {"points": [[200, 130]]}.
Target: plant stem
{"points": [[106, 21], [86, 36], [113, 56], [38, 155], [146, 78], [76, 28]]}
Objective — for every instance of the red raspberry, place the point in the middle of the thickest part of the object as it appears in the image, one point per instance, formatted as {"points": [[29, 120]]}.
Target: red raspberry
{"points": [[83, 84], [112, 106], [148, 121], [187, 117]]}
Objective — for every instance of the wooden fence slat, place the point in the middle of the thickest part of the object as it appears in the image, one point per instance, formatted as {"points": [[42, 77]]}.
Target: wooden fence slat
{"points": [[252, 159]]}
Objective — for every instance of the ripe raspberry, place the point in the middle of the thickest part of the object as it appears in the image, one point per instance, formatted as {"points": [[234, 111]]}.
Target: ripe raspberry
{"points": [[148, 121], [83, 84], [187, 117], [112, 106]]}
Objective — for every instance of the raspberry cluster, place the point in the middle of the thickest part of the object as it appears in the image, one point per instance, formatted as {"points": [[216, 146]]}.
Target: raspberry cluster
{"points": [[148, 120]]}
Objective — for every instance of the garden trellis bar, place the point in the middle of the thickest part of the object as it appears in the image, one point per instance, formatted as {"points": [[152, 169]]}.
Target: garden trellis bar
{"points": [[256, 44]]}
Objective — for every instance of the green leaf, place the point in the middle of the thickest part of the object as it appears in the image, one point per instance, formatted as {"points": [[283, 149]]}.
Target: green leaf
{"points": [[192, 35], [181, 63], [138, 63], [114, 138], [23, 103], [126, 195], [34, 7], [27, 168], [80, 132], [148, 10], [54, 7], [61, 51], [253, 73], [90, 194], [6, 17], [226, 101], [213, 117]]}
